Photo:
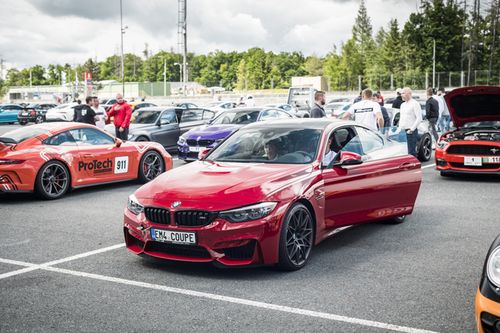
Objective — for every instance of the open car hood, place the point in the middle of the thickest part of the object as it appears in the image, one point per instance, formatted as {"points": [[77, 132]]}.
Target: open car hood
{"points": [[471, 104]]}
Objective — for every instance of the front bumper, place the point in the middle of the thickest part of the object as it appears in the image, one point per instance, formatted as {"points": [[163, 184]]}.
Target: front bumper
{"points": [[190, 153], [454, 164], [487, 314], [220, 242]]}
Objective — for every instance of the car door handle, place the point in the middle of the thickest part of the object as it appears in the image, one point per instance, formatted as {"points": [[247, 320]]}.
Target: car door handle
{"points": [[87, 155], [407, 165]]}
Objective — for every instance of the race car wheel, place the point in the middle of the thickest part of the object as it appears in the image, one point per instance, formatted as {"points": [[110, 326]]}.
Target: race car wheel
{"points": [[425, 148], [52, 181], [39, 119], [142, 138], [297, 238], [151, 166], [397, 219]]}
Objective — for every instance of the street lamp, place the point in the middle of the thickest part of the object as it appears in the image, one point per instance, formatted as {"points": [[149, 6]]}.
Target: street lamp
{"points": [[122, 31]]}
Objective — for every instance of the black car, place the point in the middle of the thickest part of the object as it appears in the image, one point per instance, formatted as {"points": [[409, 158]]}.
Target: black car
{"points": [[34, 113], [164, 124]]}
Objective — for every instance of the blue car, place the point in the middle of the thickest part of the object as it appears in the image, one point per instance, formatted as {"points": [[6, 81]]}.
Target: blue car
{"points": [[220, 127], [9, 112]]}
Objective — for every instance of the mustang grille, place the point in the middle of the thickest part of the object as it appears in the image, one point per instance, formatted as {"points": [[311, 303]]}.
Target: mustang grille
{"points": [[473, 150], [157, 215], [194, 218]]}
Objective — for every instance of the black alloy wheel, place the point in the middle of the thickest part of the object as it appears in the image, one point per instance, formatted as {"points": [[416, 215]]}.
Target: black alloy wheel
{"points": [[52, 181], [151, 166], [425, 148], [297, 238]]}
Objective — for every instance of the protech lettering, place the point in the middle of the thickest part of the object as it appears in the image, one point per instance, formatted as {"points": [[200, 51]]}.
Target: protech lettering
{"points": [[95, 165]]}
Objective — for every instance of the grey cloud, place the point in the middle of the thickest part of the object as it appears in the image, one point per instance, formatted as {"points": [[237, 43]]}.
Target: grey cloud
{"points": [[90, 9]]}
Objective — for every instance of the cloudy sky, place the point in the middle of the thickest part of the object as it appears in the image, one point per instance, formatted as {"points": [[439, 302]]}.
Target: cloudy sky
{"points": [[71, 31]]}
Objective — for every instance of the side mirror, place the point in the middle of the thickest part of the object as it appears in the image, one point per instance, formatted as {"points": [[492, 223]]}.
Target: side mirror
{"points": [[118, 142], [346, 158], [203, 153]]}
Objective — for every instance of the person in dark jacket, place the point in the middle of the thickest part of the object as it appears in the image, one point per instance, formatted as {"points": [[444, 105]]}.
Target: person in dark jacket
{"points": [[432, 112], [399, 100], [387, 120], [317, 110], [84, 112]]}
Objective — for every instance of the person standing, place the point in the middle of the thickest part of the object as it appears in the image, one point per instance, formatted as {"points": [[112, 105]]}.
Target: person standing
{"points": [[444, 117], [432, 112], [366, 112], [399, 100], [410, 118], [387, 120], [84, 112], [100, 112], [122, 112], [317, 110]]}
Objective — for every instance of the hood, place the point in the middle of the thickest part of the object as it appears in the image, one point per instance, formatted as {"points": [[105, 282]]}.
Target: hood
{"points": [[215, 132], [472, 104], [220, 185]]}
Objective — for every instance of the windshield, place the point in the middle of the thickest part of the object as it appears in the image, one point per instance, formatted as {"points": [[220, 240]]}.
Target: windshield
{"points": [[238, 118], [494, 124], [269, 145], [145, 117], [21, 134]]}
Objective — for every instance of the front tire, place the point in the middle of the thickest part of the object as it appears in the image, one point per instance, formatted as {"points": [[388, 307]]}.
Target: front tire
{"points": [[39, 119], [23, 122], [296, 239], [151, 166], [52, 180], [142, 138]]}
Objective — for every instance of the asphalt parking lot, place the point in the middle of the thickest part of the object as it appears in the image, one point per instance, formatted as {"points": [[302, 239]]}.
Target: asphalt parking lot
{"points": [[64, 267]]}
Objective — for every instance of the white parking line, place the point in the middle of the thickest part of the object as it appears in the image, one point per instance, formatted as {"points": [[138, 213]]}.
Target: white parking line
{"points": [[428, 166], [215, 297], [83, 255]]}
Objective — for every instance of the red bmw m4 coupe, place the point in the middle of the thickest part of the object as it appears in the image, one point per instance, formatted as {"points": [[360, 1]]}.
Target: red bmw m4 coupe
{"points": [[270, 192]]}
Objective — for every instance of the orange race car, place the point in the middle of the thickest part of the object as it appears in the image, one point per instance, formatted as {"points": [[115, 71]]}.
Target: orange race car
{"points": [[488, 293], [51, 158]]}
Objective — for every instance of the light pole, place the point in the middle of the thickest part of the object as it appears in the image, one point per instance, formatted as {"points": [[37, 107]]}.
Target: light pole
{"points": [[165, 78], [122, 32], [180, 72], [433, 63]]}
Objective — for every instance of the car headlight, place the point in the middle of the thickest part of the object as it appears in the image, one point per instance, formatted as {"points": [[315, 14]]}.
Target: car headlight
{"points": [[493, 267], [182, 140], [134, 206], [442, 144], [248, 213]]}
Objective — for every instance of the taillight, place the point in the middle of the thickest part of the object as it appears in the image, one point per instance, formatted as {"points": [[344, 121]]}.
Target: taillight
{"points": [[8, 162]]}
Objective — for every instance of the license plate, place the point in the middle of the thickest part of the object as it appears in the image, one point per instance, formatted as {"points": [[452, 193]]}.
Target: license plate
{"points": [[196, 149], [492, 159], [176, 237], [24, 114], [473, 161]]}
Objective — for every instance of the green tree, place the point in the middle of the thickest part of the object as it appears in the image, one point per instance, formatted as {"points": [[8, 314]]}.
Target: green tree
{"points": [[314, 65]]}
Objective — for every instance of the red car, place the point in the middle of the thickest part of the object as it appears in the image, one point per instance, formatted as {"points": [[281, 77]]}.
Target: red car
{"points": [[270, 192], [52, 158], [474, 146]]}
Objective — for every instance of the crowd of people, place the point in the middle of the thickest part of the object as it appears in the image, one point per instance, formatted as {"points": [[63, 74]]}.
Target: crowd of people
{"points": [[368, 109], [92, 113]]}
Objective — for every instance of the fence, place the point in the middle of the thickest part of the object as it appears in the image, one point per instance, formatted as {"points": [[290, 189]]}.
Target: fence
{"points": [[415, 80]]}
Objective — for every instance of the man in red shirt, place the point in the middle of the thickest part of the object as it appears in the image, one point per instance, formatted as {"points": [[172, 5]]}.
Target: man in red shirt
{"points": [[122, 112]]}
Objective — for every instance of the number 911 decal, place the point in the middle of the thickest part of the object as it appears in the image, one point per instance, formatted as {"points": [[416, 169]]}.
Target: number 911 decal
{"points": [[121, 164]]}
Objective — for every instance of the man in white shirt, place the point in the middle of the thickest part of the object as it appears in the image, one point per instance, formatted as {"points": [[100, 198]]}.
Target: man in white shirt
{"points": [[329, 154], [100, 113], [366, 112], [410, 117]]}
